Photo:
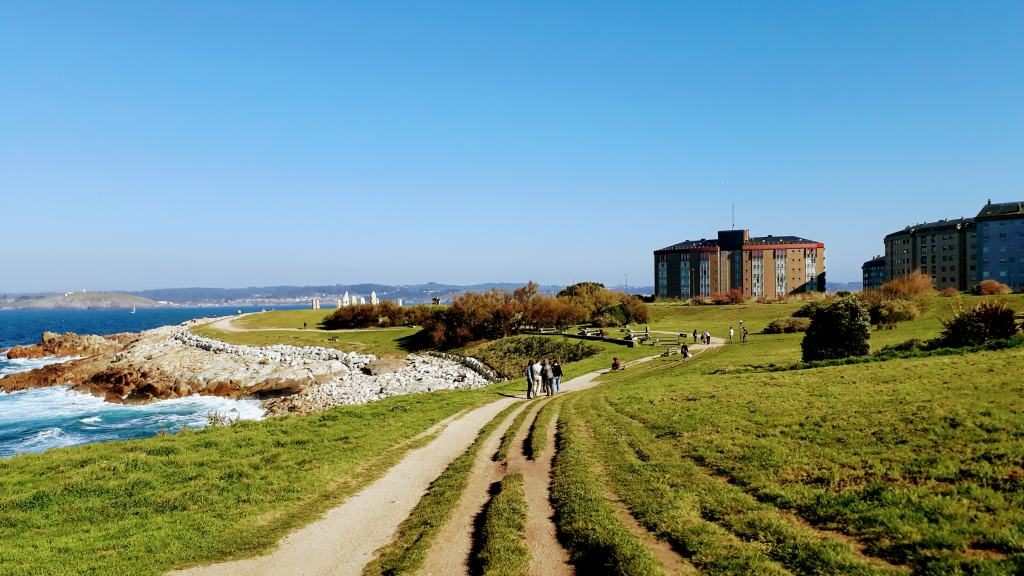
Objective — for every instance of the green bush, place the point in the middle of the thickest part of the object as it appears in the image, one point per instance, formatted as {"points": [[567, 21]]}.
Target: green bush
{"points": [[787, 325], [889, 312], [970, 327], [839, 330], [509, 355]]}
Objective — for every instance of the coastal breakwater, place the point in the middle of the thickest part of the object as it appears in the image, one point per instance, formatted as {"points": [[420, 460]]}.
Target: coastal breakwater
{"points": [[171, 362]]}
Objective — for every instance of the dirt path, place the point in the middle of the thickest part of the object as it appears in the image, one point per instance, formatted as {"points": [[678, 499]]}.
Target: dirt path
{"points": [[450, 551], [547, 556], [344, 540]]}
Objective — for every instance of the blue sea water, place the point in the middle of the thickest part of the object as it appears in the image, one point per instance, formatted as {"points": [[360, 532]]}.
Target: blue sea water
{"points": [[44, 418]]}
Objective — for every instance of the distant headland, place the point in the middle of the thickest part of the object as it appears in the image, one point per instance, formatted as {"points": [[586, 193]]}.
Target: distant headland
{"points": [[79, 301]]}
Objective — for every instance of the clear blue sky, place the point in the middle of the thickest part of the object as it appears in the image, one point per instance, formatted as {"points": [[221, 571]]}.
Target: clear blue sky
{"points": [[163, 144]]}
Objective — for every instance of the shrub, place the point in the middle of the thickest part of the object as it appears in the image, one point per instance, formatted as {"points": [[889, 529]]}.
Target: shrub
{"points": [[838, 330], [475, 316], [991, 288], [949, 292], [973, 326], [888, 312], [734, 296], [912, 284], [787, 325], [371, 315], [843, 294]]}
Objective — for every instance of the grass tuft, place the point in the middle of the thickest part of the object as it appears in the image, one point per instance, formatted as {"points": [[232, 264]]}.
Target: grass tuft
{"points": [[537, 438], [597, 540], [503, 550]]}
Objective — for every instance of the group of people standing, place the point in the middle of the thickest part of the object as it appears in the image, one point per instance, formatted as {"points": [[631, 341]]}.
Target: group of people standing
{"points": [[542, 375], [705, 337]]}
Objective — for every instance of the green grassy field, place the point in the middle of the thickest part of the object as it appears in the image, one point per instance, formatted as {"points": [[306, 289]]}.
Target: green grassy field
{"points": [[282, 319], [895, 467], [393, 342]]}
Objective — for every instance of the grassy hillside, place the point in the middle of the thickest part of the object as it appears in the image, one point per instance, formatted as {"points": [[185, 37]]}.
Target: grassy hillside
{"points": [[897, 467], [906, 466]]}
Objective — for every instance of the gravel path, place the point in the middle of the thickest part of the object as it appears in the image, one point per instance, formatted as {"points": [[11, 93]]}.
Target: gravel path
{"points": [[344, 540]]}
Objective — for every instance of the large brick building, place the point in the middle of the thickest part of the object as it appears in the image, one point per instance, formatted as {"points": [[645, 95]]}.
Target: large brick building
{"points": [[766, 266]]}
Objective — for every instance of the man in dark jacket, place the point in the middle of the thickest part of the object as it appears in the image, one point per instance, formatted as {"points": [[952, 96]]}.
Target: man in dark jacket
{"points": [[556, 369]]}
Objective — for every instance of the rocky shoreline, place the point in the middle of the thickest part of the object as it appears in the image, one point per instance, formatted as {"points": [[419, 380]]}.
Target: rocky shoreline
{"points": [[172, 362]]}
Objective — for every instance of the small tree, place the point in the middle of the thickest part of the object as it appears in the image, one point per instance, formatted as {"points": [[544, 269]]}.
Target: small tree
{"points": [[839, 330]]}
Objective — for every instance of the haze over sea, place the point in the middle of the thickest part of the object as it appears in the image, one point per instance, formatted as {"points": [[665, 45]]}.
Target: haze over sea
{"points": [[43, 418]]}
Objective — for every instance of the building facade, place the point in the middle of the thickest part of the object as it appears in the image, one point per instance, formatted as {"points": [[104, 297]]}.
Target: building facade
{"points": [[873, 273], [945, 250], [1000, 247], [768, 266]]}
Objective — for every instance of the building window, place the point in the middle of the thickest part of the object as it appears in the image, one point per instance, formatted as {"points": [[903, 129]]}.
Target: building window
{"points": [[757, 273], [684, 276]]}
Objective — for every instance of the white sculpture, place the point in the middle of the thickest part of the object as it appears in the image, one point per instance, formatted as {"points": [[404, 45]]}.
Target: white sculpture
{"points": [[399, 302], [362, 300], [373, 298], [316, 303], [344, 299]]}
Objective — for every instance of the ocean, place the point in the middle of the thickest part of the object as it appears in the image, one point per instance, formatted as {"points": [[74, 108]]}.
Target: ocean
{"points": [[45, 418]]}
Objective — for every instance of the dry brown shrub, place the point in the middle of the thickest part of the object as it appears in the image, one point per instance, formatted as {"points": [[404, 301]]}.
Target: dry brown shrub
{"points": [[949, 292], [991, 287], [915, 284]]}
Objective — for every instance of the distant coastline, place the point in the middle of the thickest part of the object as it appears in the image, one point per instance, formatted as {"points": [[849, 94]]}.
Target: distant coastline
{"points": [[82, 301]]}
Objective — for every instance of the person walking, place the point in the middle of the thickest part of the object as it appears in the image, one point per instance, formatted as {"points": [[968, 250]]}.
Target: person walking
{"points": [[694, 335], [549, 378], [743, 334], [536, 370], [731, 334], [556, 369], [684, 350], [529, 380]]}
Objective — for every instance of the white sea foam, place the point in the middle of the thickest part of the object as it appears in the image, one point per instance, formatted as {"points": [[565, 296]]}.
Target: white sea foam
{"points": [[8, 366], [42, 418]]}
